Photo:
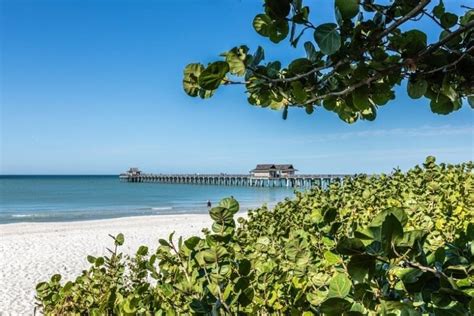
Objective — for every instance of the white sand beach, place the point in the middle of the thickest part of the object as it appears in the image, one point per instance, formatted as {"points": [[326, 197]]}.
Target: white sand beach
{"points": [[32, 252]]}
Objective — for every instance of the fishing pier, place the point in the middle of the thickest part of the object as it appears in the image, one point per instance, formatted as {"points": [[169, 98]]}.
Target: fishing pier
{"points": [[268, 175]]}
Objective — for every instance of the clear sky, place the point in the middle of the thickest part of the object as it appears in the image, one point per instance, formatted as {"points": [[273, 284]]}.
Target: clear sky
{"points": [[94, 87]]}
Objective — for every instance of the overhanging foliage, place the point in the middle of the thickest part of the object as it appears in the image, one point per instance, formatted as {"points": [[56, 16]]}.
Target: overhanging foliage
{"points": [[352, 65]]}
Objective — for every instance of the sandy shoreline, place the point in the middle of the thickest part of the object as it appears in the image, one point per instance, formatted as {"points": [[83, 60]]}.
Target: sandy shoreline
{"points": [[32, 252]]}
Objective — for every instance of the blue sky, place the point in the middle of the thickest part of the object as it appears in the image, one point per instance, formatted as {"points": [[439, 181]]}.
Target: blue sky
{"points": [[94, 87]]}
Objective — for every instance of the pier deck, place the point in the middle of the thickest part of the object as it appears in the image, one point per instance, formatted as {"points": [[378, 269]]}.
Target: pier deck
{"points": [[321, 180]]}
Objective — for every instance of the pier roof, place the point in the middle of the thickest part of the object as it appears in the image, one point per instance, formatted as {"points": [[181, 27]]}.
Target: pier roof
{"points": [[268, 167], [285, 167], [265, 167]]}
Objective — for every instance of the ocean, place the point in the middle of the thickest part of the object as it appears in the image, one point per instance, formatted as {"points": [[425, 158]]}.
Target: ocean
{"points": [[73, 198]]}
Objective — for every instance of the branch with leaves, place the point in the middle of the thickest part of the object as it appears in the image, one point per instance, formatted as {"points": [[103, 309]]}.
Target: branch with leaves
{"points": [[353, 66]]}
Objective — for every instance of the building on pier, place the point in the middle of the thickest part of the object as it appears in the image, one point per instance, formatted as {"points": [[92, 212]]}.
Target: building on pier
{"points": [[267, 171]]}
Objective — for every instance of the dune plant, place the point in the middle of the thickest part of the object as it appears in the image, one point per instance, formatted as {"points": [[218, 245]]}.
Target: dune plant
{"points": [[395, 244]]}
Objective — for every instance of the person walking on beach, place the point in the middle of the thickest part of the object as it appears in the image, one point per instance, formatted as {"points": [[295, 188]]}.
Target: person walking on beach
{"points": [[209, 204]]}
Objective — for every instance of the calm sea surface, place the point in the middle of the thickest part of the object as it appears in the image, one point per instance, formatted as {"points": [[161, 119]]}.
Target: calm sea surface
{"points": [[70, 198]]}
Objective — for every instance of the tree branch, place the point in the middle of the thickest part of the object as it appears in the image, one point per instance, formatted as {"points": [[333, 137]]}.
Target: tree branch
{"points": [[349, 89], [435, 46], [436, 21], [299, 76], [454, 63], [420, 6]]}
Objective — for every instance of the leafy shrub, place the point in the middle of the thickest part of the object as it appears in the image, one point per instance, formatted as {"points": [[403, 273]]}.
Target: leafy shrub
{"points": [[398, 244]]}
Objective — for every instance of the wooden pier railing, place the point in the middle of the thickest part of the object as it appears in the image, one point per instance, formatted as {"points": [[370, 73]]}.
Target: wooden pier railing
{"points": [[307, 180]]}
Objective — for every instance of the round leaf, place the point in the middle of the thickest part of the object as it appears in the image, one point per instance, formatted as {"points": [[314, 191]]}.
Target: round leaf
{"points": [[347, 8], [119, 240], [211, 77], [328, 38], [335, 306], [261, 24], [339, 286], [449, 20], [417, 89], [278, 9]]}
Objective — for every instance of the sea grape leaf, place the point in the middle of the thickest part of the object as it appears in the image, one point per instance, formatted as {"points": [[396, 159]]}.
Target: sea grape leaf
{"points": [[350, 246], [347, 8], [417, 88], [391, 231], [339, 286], [230, 204], [361, 266], [119, 239], [335, 306], [328, 38], [212, 76]]}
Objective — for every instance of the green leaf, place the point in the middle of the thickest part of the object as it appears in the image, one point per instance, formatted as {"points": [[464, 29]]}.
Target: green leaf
{"points": [[99, 261], [278, 31], [470, 100], [339, 286], [230, 204], [316, 298], [119, 239], [285, 113], [298, 92], [262, 24], [411, 237], [328, 38], [163, 242], [360, 266], [399, 213], [408, 275], [91, 259], [360, 98], [369, 114], [264, 240], [142, 251], [441, 104], [392, 230], [300, 65], [413, 42], [258, 56], [350, 246], [347, 8], [192, 242], [245, 267], [209, 256], [190, 80], [212, 76], [417, 88], [382, 93], [331, 258], [246, 297], [236, 59], [438, 10], [311, 53], [448, 20], [277, 9], [56, 278], [335, 306]]}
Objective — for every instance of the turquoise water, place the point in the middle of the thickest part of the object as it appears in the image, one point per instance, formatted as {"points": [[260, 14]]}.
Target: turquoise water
{"points": [[70, 198]]}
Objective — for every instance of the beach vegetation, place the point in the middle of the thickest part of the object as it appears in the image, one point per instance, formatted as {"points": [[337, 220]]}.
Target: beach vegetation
{"points": [[352, 63], [389, 244]]}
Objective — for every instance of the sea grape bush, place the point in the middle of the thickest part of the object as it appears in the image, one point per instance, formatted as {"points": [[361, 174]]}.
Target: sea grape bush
{"points": [[395, 244]]}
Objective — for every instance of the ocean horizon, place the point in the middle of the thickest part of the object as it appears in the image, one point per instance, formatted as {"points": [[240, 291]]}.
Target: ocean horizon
{"points": [[62, 198]]}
